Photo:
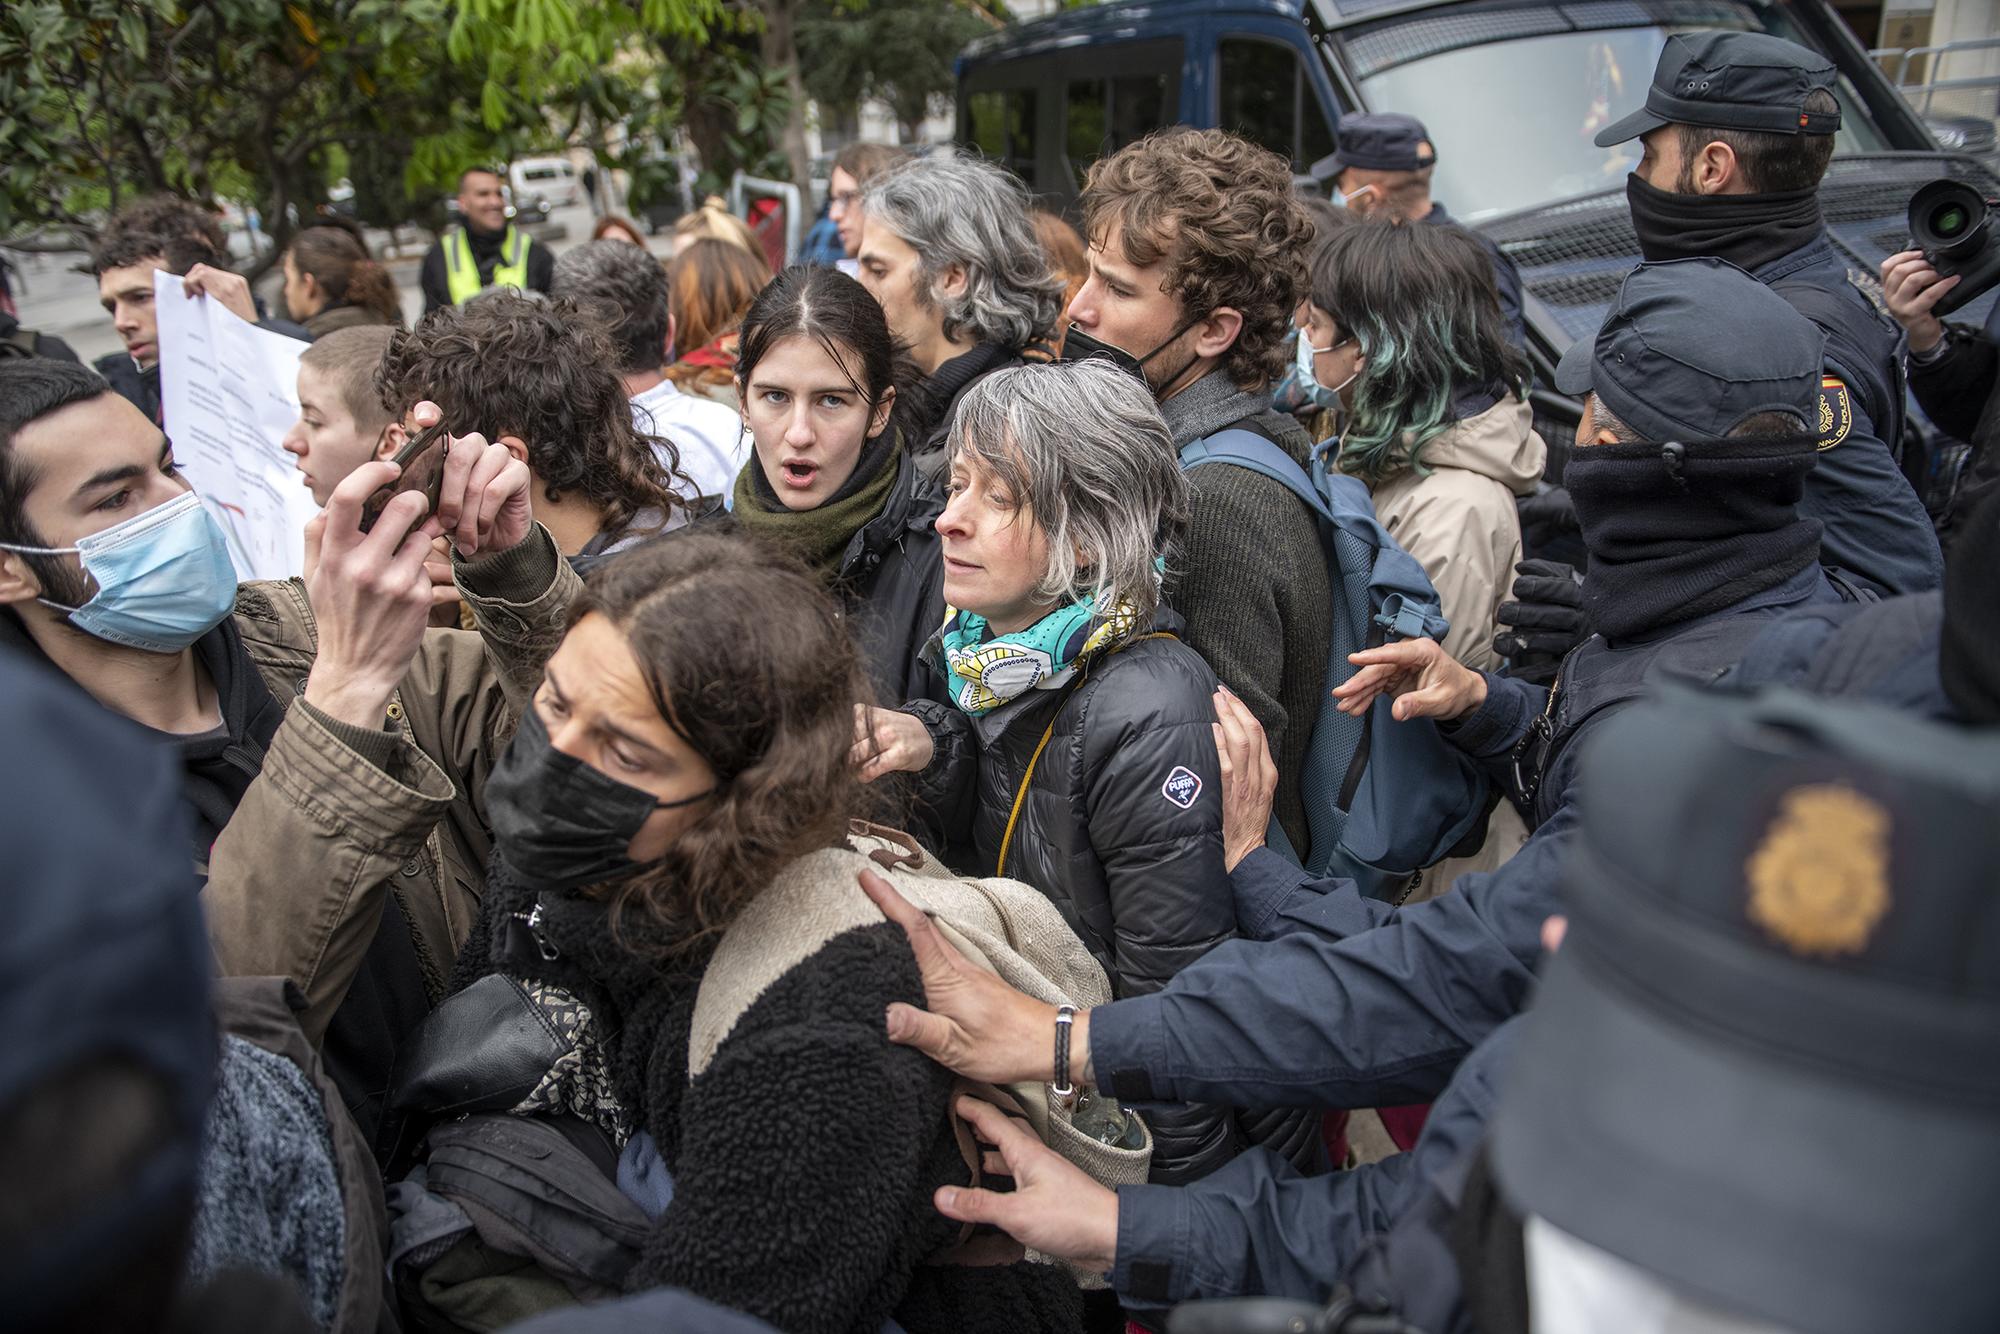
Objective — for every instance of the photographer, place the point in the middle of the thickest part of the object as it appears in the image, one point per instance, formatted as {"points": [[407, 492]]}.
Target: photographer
{"points": [[1953, 372]]}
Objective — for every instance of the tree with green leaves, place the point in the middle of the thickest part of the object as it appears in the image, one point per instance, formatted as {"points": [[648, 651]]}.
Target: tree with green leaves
{"points": [[102, 100], [900, 52]]}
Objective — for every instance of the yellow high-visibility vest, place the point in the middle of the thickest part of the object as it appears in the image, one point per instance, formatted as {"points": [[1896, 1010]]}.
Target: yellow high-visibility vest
{"points": [[461, 271]]}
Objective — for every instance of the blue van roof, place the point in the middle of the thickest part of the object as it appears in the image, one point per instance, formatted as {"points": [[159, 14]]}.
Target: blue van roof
{"points": [[1136, 18]]}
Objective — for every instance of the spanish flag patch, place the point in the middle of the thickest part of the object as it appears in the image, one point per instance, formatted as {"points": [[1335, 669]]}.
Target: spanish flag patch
{"points": [[1836, 411]]}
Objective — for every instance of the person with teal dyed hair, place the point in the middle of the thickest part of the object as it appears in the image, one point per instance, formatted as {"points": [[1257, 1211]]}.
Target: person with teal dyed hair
{"points": [[1403, 323]]}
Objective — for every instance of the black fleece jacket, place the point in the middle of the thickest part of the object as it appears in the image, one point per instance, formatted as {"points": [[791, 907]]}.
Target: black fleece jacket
{"points": [[806, 1154], [1958, 387]]}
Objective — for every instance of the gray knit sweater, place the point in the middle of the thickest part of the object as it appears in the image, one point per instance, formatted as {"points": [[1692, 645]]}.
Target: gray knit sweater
{"points": [[1251, 580]]}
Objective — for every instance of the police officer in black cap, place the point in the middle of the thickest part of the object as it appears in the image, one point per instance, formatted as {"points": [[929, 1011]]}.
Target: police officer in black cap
{"points": [[1687, 478], [1737, 130], [1756, 1092], [1384, 164]]}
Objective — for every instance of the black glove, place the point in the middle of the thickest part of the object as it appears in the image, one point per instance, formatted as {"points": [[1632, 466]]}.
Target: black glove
{"points": [[1544, 621], [1549, 530]]}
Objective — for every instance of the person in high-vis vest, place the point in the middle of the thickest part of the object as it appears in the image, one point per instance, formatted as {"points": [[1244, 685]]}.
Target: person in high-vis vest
{"points": [[486, 251]]}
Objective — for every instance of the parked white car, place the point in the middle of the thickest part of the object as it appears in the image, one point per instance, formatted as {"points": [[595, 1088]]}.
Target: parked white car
{"points": [[553, 178]]}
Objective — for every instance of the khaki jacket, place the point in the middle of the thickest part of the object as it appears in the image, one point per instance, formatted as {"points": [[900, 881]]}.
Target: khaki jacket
{"points": [[1458, 519], [296, 881]]}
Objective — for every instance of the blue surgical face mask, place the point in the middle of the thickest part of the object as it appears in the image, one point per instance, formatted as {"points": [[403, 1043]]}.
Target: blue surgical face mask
{"points": [[163, 579], [1324, 395]]}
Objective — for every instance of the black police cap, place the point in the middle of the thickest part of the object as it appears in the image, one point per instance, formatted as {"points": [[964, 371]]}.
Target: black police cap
{"points": [[1378, 141], [1694, 347], [1764, 1065], [1732, 81]]}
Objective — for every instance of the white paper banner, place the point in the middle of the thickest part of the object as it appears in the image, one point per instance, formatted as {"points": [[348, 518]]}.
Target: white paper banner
{"points": [[228, 394]]}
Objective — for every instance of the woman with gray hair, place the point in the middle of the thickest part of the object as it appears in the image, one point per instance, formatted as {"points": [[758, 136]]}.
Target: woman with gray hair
{"points": [[948, 246], [1078, 752]]}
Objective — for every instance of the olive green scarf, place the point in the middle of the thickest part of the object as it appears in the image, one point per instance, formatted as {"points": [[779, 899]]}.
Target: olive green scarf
{"points": [[820, 536]]}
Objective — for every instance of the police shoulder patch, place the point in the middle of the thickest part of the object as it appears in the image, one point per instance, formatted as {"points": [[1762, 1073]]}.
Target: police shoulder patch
{"points": [[1183, 785], [1836, 411]]}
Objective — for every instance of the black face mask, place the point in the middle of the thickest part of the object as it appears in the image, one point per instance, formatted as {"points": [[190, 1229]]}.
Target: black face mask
{"points": [[1749, 231], [1080, 346], [557, 822]]}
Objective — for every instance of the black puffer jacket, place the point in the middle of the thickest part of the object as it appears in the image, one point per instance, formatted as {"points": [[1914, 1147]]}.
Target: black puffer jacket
{"points": [[892, 583], [1121, 827]]}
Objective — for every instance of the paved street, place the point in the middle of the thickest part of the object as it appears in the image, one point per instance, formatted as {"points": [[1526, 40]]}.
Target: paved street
{"points": [[54, 298]]}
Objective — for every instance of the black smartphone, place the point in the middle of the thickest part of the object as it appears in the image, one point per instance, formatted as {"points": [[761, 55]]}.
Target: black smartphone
{"points": [[412, 450]]}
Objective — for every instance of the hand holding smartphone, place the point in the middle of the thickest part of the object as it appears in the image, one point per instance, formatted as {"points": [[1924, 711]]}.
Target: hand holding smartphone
{"points": [[413, 449]]}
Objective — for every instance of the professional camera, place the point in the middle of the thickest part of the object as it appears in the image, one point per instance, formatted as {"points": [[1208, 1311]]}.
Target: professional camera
{"points": [[1953, 226]]}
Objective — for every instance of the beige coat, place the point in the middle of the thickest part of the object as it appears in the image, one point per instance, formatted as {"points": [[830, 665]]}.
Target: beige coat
{"points": [[296, 881], [1459, 521]]}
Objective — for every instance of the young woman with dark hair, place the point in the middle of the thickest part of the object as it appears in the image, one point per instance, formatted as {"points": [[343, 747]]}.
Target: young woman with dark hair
{"points": [[1403, 323], [829, 479], [713, 284], [332, 283], [689, 744]]}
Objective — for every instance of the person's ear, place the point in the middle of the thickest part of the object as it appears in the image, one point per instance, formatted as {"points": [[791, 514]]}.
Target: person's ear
{"points": [[1716, 170], [393, 439], [953, 281], [878, 421], [311, 284], [515, 446], [18, 581], [1217, 333]]}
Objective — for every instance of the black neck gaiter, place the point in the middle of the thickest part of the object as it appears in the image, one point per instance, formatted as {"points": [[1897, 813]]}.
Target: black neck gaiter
{"points": [[1681, 531], [1749, 231]]}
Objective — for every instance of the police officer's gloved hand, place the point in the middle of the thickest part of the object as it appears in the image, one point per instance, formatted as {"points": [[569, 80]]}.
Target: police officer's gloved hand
{"points": [[1547, 517], [1543, 622]]}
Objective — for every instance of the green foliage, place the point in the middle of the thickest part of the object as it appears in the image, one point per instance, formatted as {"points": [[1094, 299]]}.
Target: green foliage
{"points": [[900, 51], [249, 99]]}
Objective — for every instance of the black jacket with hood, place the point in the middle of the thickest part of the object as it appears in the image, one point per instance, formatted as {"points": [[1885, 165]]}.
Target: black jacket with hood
{"points": [[891, 582], [1121, 826]]}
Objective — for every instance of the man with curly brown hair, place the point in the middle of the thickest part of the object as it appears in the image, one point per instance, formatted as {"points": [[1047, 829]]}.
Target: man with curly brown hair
{"points": [[542, 377], [1198, 251]]}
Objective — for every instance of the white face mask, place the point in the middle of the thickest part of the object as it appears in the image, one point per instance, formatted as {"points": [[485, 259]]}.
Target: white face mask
{"points": [[1358, 199], [1574, 1288]]}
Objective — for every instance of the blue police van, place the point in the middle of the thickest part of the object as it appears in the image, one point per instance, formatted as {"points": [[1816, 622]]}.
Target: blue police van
{"points": [[1512, 92]]}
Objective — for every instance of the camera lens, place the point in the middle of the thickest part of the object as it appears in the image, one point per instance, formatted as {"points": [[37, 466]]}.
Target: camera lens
{"points": [[1946, 217]]}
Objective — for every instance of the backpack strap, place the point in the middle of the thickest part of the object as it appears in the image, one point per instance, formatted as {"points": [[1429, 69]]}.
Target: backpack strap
{"points": [[1405, 604]]}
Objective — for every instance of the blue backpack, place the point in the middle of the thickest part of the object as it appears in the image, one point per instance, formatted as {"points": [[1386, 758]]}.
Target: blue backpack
{"points": [[1383, 799]]}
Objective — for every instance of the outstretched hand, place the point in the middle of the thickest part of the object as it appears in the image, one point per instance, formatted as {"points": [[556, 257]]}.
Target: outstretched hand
{"points": [[1424, 680], [1249, 778], [976, 1025], [1054, 1208]]}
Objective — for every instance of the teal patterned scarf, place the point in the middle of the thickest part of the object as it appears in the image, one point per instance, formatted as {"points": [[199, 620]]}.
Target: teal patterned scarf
{"points": [[985, 672]]}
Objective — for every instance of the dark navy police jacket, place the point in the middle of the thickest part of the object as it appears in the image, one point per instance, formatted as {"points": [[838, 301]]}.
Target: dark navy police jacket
{"points": [[1334, 1000]]}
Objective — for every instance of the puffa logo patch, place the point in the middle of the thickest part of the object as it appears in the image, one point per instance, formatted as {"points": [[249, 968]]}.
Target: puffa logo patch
{"points": [[1182, 787]]}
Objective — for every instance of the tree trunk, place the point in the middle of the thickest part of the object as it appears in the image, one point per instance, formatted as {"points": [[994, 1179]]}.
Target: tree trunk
{"points": [[781, 50]]}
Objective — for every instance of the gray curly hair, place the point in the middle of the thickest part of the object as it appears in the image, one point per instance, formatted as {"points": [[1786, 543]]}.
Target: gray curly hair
{"points": [[954, 209], [1082, 447]]}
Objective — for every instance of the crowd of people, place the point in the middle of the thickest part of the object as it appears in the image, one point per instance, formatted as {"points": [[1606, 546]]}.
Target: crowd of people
{"points": [[1041, 786]]}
